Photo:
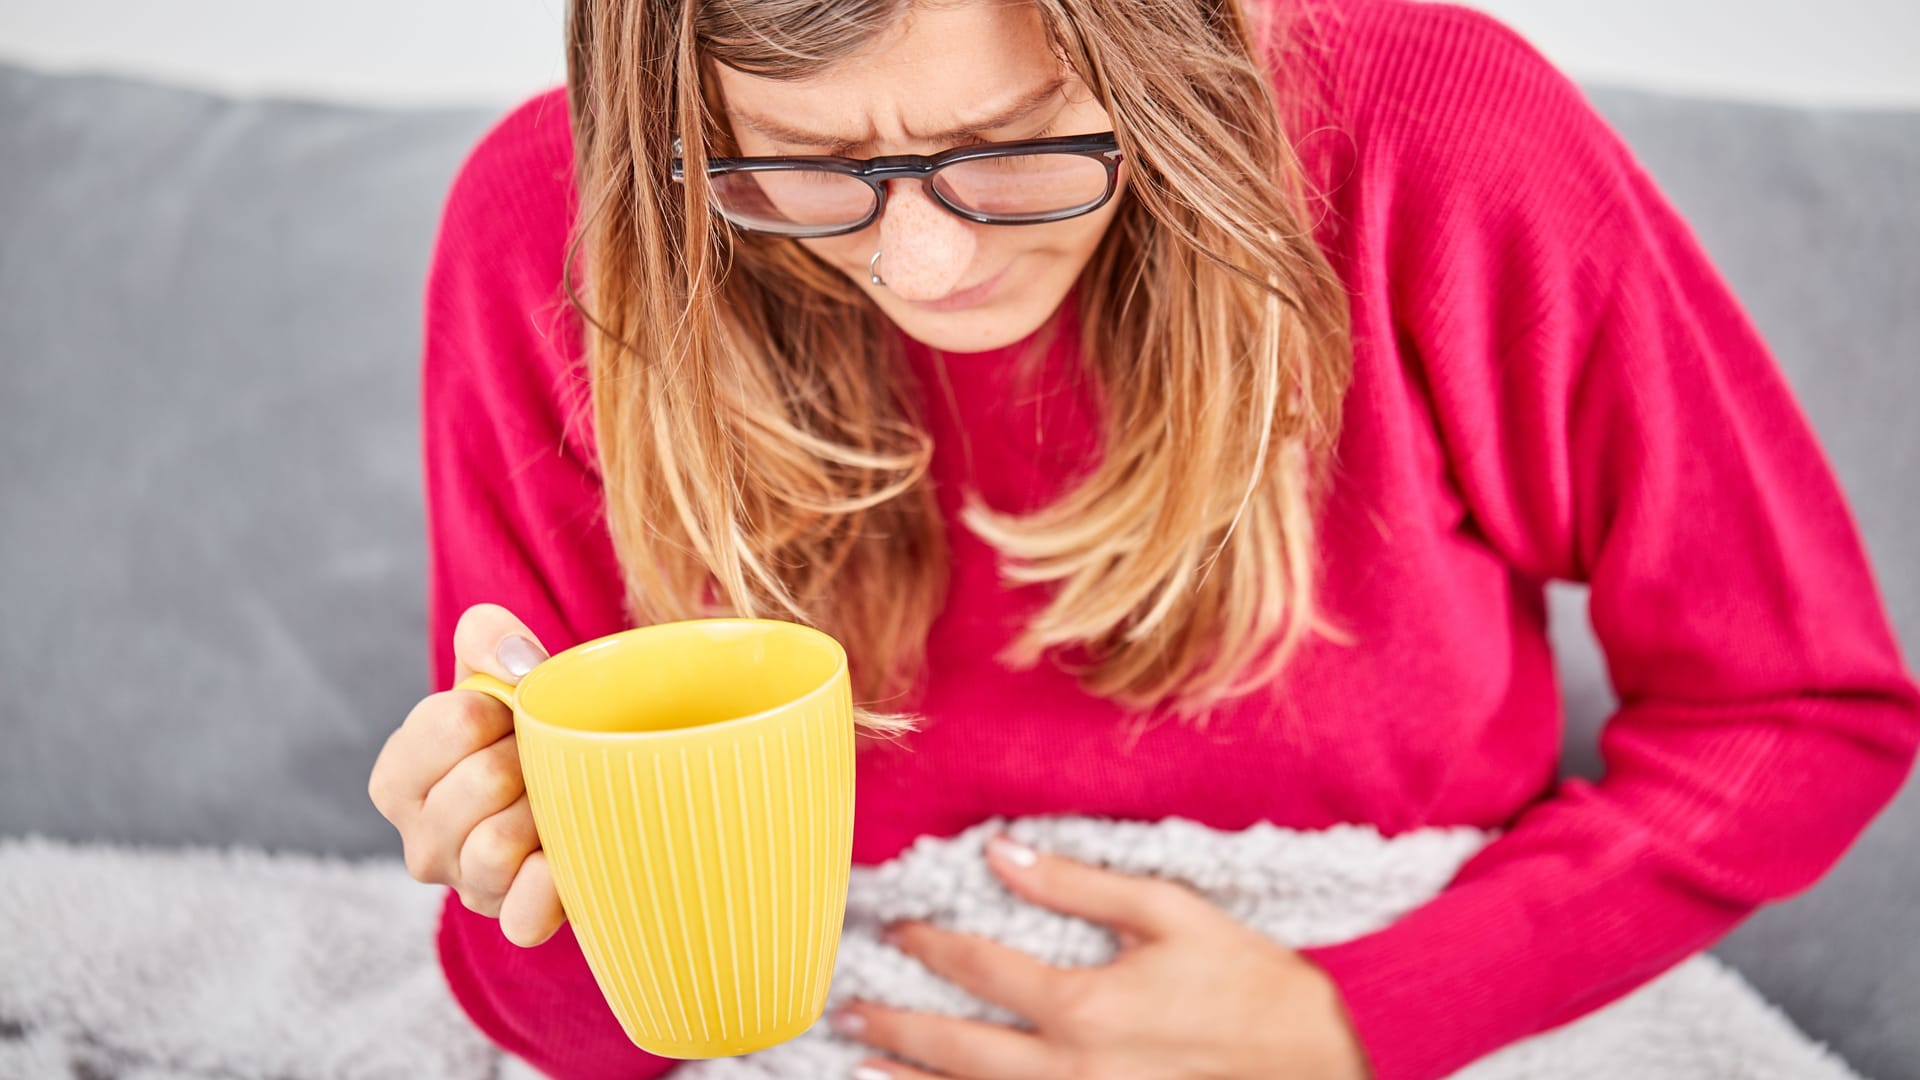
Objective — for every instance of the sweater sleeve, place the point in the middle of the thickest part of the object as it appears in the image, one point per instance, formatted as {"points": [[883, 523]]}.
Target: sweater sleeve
{"points": [[1610, 415], [513, 518]]}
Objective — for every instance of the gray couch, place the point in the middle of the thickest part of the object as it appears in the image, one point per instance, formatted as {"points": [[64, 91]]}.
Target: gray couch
{"points": [[211, 595]]}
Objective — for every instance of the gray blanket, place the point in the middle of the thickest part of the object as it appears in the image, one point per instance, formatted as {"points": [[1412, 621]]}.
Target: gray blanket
{"points": [[199, 964]]}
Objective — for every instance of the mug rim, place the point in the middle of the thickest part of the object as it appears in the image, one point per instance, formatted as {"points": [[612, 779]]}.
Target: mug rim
{"points": [[608, 640]]}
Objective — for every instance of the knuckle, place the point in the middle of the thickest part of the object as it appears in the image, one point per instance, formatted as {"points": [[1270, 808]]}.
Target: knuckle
{"points": [[377, 791], [497, 775], [469, 719], [381, 788], [422, 866], [491, 855], [479, 903]]}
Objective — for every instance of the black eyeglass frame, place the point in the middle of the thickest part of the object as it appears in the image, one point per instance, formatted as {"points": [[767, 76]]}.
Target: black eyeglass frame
{"points": [[1103, 147]]}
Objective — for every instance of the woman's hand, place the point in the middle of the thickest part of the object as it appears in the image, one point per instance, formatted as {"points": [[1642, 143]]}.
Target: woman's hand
{"points": [[449, 779], [1192, 993]]}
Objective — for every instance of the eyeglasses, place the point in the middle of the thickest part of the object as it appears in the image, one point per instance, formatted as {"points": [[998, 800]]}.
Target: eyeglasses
{"points": [[1011, 183]]}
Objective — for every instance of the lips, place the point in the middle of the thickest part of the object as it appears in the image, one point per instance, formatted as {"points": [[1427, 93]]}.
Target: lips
{"points": [[967, 297]]}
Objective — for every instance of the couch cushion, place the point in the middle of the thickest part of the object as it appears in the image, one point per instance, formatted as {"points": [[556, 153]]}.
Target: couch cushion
{"points": [[213, 533]]}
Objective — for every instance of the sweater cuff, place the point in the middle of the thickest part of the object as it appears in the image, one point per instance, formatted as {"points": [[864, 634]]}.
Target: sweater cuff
{"points": [[1432, 992], [1505, 956], [1419, 1013]]}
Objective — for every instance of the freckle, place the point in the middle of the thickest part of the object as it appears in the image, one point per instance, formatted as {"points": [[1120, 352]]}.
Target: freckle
{"points": [[926, 251]]}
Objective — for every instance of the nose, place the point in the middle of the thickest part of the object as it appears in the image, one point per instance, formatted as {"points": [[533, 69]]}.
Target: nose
{"points": [[925, 251]]}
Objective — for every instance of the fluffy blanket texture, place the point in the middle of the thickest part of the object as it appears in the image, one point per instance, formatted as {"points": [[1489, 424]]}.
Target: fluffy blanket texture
{"points": [[190, 964]]}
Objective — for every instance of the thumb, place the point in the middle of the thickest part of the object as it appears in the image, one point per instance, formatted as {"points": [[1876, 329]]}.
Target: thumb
{"points": [[491, 639]]}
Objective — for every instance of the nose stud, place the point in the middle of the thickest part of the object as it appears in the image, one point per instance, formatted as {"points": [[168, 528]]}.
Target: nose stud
{"points": [[873, 274]]}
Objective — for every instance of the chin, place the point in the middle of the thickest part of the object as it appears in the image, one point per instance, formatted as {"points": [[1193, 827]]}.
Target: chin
{"points": [[992, 325]]}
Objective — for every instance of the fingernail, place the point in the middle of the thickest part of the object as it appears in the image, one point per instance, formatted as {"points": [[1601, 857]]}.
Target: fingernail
{"points": [[518, 655], [848, 1023], [1016, 853], [868, 1072]]}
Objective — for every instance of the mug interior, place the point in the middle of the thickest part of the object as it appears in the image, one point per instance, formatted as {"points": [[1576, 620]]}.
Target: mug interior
{"points": [[681, 675]]}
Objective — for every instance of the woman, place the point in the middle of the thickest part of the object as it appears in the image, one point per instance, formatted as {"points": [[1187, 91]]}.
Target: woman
{"points": [[1207, 461]]}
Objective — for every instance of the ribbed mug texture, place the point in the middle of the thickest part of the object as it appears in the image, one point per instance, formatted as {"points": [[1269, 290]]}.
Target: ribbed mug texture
{"points": [[703, 868]]}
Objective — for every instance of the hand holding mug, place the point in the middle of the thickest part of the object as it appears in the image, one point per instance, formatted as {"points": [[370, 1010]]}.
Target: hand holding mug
{"points": [[449, 780], [681, 794]]}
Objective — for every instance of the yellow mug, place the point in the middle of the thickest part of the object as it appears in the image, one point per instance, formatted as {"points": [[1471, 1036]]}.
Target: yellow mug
{"points": [[692, 785]]}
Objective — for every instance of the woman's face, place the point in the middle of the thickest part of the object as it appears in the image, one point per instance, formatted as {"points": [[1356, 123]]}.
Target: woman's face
{"points": [[926, 85]]}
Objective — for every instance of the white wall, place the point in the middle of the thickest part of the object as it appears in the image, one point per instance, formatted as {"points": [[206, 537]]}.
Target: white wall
{"points": [[357, 50], [1863, 52], [1855, 52]]}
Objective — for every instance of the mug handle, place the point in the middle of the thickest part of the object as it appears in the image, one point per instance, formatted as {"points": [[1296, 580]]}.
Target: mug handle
{"points": [[487, 684]]}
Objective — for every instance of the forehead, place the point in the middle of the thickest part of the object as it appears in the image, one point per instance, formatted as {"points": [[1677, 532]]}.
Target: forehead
{"points": [[937, 69]]}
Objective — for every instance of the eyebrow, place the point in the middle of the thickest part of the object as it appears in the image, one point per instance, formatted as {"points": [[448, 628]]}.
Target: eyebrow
{"points": [[1016, 109]]}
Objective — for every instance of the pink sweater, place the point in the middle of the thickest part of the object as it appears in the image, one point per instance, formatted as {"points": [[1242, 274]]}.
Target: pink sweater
{"points": [[1552, 382]]}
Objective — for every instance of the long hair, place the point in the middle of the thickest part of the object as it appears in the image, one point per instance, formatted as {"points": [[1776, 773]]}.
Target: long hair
{"points": [[757, 428]]}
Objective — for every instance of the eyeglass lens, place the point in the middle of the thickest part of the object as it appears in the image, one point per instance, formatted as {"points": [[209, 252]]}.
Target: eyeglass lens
{"points": [[1017, 187]]}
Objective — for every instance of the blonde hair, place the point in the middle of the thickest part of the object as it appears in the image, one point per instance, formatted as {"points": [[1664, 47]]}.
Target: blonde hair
{"points": [[756, 423]]}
